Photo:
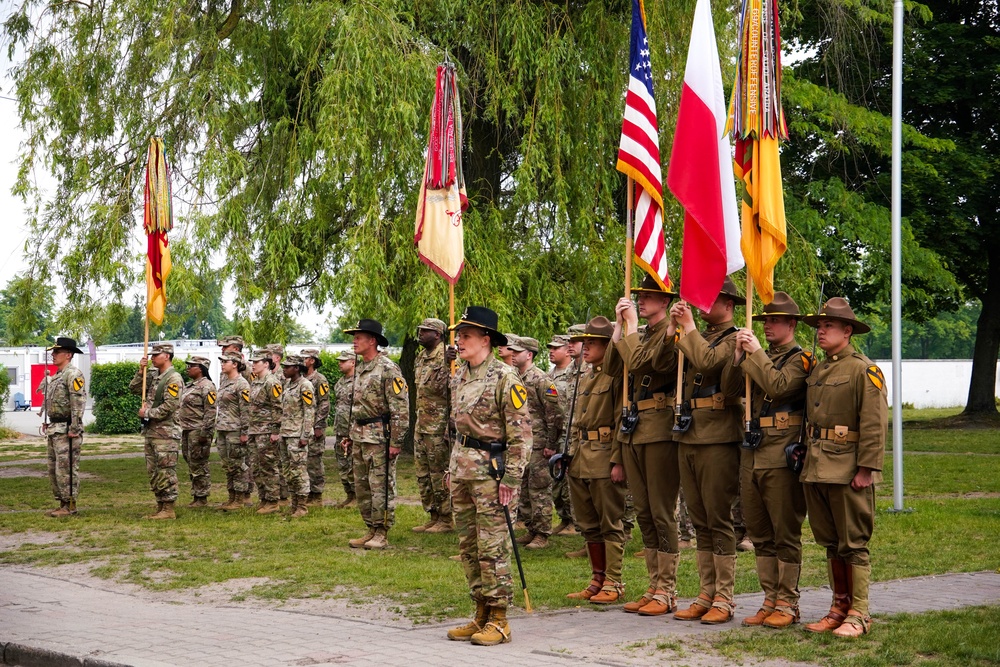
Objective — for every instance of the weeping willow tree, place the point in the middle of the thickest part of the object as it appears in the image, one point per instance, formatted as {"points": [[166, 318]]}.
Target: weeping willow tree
{"points": [[296, 132]]}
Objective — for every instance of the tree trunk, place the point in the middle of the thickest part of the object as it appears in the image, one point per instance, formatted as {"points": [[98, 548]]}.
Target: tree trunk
{"points": [[407, 360], [982, 388]]}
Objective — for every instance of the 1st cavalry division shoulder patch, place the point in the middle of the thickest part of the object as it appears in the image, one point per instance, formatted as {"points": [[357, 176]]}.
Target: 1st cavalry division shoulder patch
{"points": [[77, 384], [211, 398], [245, 394], [276, 390], [307, 397], [518, 394], [398, 385], [875, 375], [173, 389], [324, 389]]}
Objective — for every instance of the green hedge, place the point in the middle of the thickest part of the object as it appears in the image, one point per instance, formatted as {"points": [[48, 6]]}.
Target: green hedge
{"points": [[115, 407]]}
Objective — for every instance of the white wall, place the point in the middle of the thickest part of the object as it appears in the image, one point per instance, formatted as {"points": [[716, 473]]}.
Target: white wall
{"points": [[934, 383]]}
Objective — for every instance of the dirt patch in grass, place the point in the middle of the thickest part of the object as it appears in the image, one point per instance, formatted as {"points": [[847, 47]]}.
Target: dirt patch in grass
{"points": [[7, 472], [17, 540]]}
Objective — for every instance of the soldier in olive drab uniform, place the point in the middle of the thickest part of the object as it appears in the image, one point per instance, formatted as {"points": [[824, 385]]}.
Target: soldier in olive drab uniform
{"points": [[317, 445], [488, 405], [65, 401], [431, 447], [535, 507], [649, 453], [380, 408], [596, 474], [846, 433], [265, 431], [298, 415], [161, 430], [564, 374], [709, 451], [197, 421], [344, 390], [773, 504], [233, 431]]}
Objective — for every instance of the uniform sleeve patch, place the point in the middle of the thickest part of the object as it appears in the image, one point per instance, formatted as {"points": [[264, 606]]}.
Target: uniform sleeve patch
{"points": [[552, 391], [253, 377], [398, 385], [518, 394], [324, 389], [211, 397], [307, 397], [276, 390], [245, 394], [173, 389], [78, 384], [875, 375]]}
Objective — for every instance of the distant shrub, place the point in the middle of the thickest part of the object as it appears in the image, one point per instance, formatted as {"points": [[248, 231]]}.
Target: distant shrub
{"points": [[115, 407]]}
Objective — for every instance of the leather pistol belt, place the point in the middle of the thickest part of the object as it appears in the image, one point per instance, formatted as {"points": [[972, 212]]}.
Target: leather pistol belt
{"points": [[831, 434], [59, 420], [468, 441], [709, 402], [659, 398], [595, 435], [371, 420], [772, 422]]}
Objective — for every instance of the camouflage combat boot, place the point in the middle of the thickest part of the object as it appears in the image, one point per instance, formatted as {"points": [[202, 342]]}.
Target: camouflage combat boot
{"points": [[359, 542], [199, 501], [496, 631], [57, 512], [464, 633], [268, 507], [430, 523], [380, 540], [159, 508], [222, 505], [166, 511], [537, 542], [299, 507], [443, 525], [315, 500]]}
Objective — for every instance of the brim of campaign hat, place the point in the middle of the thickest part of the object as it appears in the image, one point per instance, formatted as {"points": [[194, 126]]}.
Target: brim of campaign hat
{"points": [[67, 344], [496, 337], [858, 326], [382, 340]]}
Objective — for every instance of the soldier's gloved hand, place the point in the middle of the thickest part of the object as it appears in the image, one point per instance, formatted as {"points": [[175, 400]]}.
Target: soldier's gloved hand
{"points": [[450, 353], [318, 432], [394, 452]]}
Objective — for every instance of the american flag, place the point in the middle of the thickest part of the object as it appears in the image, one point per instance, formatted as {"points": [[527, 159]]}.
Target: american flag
{"points": [[639, 153]]}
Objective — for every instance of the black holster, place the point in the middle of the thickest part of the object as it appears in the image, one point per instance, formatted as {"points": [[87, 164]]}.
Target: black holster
{"points": [[497, 465]]}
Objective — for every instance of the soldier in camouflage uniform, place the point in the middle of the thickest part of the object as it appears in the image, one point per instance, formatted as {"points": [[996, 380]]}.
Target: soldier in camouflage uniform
{"points": [[546, 425], [265, 430], [317, 445], [505, 353], [233, 431], [431, 448], [65, 401], [276, 352], [563, 373], [380, 416], [235, 344], [488, 404], [344, 389], [298, 414], [197, 422], [161, 430]]}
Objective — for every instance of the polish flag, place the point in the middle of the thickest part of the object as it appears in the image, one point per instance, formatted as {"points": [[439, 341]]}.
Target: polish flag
{"points": [[701, 171]]}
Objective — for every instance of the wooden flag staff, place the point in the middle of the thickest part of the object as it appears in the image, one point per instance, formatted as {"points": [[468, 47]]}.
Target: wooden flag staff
{"points": [[629, 231]]}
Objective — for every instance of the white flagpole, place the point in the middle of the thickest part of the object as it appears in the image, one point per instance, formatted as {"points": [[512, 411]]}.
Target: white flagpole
{"points": [[897, 306]]}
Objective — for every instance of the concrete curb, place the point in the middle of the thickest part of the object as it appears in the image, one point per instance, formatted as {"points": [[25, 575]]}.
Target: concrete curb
{"points": [[28, 656]]}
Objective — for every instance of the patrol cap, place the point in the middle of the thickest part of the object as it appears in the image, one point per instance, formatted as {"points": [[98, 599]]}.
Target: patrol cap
{"points": [[199, 361], [275, 348], [347, 355], [161, 348], [524, 343], [433, 324], [293, 360], [558, 340], [226, 341], [260, 355], [228, 356], [314, 353], [513, 342], [575, 330]]}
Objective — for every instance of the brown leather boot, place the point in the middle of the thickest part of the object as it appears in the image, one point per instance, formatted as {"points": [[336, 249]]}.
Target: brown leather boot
{"points": [[611, 593], [268, 507], [496, 631], [701, 606], [837, 570], [537, 542], [166, 511], [62, 511], [858, 621], [62, 504], [760, 617], [463, 633], [428, 524], [299, 507], [235, 502], [229, 501], [359, 542], [634, 607], [380, 540], [565, 528], [159, 508], [785, 614], [199, 501], [598, 564], [579, 553]]}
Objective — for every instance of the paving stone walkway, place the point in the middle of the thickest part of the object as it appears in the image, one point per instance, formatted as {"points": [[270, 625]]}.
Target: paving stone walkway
{"points": [[50, 621]]}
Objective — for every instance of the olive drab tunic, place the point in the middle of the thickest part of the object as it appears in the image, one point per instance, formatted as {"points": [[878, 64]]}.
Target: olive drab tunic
{"points": [[379, 389], [785, 387], [716, 410], [653, 364], [595, 445], [198, 406], [489, 403], [848, 419]]}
